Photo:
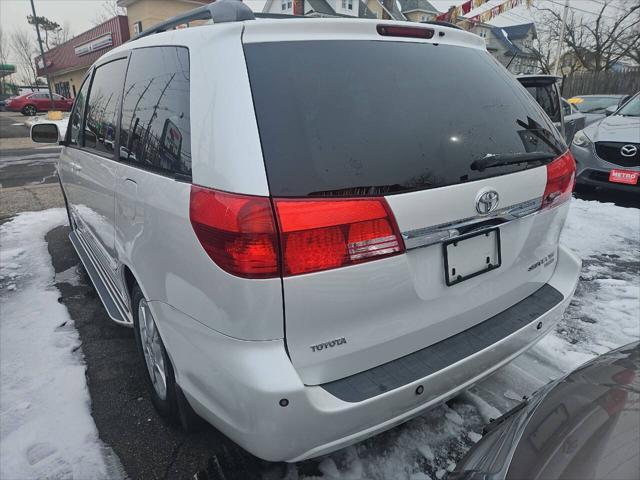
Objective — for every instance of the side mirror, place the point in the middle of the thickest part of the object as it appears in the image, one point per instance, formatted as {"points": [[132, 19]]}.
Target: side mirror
{"points": [[611, 110], [45, 133]]}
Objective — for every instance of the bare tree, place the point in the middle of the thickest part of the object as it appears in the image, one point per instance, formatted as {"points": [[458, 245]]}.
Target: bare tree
{"points": [[62, 35], [597, 42], [47, 27], [108, 10], [25, 50], [4, 56]]}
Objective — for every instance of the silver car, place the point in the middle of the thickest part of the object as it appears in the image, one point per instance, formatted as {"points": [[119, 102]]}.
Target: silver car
{"points": [[607, 152], [316, 227]]}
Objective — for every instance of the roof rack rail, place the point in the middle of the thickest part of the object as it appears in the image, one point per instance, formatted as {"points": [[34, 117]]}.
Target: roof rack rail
{"points": [[220, 11], [282, 16]]}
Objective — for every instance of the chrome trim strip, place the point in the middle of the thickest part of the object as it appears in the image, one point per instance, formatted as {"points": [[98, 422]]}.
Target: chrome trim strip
{"points": [[423, 237]]}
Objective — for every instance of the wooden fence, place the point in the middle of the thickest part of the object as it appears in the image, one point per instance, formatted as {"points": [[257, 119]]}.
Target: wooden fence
{"points": [[590, 83]]}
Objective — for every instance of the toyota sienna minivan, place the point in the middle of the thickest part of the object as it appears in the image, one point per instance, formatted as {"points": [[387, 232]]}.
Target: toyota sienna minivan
{"points": [[318, 228]]}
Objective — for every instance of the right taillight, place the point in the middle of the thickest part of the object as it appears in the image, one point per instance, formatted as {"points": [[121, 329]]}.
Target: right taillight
{"points": [[561, 176], [322, 234]]}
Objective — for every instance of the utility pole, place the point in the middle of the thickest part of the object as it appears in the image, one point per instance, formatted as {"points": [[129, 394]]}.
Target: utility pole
{"points": [[44, 61], [561, 39]]}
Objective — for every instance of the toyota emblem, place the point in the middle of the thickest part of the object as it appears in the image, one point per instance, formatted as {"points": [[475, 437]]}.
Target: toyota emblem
{"points": [[487, 201], [628, 151]]}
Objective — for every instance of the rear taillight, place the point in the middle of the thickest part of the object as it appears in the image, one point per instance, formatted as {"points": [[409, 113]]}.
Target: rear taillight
{"points": [[561, 176], [237, 231], [329, 233]]}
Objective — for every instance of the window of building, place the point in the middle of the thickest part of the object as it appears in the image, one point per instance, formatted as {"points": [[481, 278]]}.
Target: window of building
{"points": [[347, 4], [102, 107], [77, 115], [63, 89], [137, 28], [155, 129]]}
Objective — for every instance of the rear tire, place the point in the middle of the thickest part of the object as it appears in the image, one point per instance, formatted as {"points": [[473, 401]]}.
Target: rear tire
{"points": [[159, 373], [170, 402], [29, 111]]}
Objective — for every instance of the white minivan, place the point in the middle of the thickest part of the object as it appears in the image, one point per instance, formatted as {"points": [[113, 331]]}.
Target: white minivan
{"points": [[318, 228]]}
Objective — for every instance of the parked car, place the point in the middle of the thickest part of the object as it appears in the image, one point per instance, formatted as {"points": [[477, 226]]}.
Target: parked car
{"points": [[585, 425], [31, 103], [545, 90], [607, 152], [308, 259], [594, 106]]}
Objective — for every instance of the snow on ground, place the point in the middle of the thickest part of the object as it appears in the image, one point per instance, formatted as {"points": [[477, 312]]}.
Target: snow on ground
{"points": [[604, 314], [46, 428]]}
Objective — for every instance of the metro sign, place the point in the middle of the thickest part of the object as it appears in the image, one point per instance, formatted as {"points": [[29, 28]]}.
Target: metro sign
{"points": [[94, 45], [624, 176]]}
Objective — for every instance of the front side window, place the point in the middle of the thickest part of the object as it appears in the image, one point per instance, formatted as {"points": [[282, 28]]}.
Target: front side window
{"points": [[155, 131], [102, 107], [75, 122]]}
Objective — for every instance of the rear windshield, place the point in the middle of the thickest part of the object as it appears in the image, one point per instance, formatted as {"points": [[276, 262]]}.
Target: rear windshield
{"points": [[378, 117]]}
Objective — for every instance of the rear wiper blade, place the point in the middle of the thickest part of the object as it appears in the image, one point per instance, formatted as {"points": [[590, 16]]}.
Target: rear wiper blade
{"points": [[501, 159]]}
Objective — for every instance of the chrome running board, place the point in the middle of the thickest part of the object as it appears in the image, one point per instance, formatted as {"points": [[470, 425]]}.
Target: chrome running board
{"points": [[117, 311]]}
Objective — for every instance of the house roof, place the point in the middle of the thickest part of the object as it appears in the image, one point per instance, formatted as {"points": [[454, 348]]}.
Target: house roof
{"points": [[322, 7], [318, 6], [395, 12], [66, 56], [506, 35], [422, 5]]}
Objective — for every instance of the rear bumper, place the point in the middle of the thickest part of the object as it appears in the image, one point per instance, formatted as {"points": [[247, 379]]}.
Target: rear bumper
{"points": [[238, 385]]}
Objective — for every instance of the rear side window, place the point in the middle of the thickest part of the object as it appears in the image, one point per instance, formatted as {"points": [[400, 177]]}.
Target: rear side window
{"points": [[102, 107], [373, 117], [547, 97], [155, 128]]}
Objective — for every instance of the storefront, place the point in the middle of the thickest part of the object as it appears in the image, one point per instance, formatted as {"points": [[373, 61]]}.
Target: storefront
{"points": [[68, 63]]}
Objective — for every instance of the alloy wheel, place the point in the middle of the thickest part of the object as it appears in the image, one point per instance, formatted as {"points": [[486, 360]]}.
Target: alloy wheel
{"points": [[152, 349]]}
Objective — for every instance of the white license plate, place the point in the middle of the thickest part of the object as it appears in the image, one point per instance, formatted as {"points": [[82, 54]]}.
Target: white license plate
{"points": [[472, 254]]}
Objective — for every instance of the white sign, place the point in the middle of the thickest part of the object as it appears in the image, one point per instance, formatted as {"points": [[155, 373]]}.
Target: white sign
{"points": [[94, 45]]}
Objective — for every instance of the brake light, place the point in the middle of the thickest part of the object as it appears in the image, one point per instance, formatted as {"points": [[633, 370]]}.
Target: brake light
{"points": [[561, 177], [318, 235], [400, 31], [237, 231]]}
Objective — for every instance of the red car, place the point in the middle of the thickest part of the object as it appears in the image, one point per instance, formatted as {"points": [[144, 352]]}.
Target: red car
{"points": [[31, 103]]}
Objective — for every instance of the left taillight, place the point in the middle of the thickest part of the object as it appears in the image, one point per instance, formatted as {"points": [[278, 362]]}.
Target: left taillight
{"points": [[561, 178], [244, 237], [238, 232]]}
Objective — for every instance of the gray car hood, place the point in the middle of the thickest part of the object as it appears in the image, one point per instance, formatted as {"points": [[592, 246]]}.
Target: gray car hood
{"points": [[615, 128]]}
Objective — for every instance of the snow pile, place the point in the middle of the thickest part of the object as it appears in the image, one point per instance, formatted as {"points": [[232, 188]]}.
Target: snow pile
{"points": [[46, 428], [604, 315]]}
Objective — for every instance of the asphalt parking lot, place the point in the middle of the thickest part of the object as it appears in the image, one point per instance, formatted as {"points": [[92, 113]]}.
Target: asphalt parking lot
{"points": [[146, 445]]}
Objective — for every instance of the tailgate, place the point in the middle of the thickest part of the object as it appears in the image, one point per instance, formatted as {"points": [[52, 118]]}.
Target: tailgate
{"points": [[340, 322], [335, 124]]}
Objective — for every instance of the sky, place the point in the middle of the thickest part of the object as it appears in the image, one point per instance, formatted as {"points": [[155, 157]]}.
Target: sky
{"points": [[78, 14]]}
